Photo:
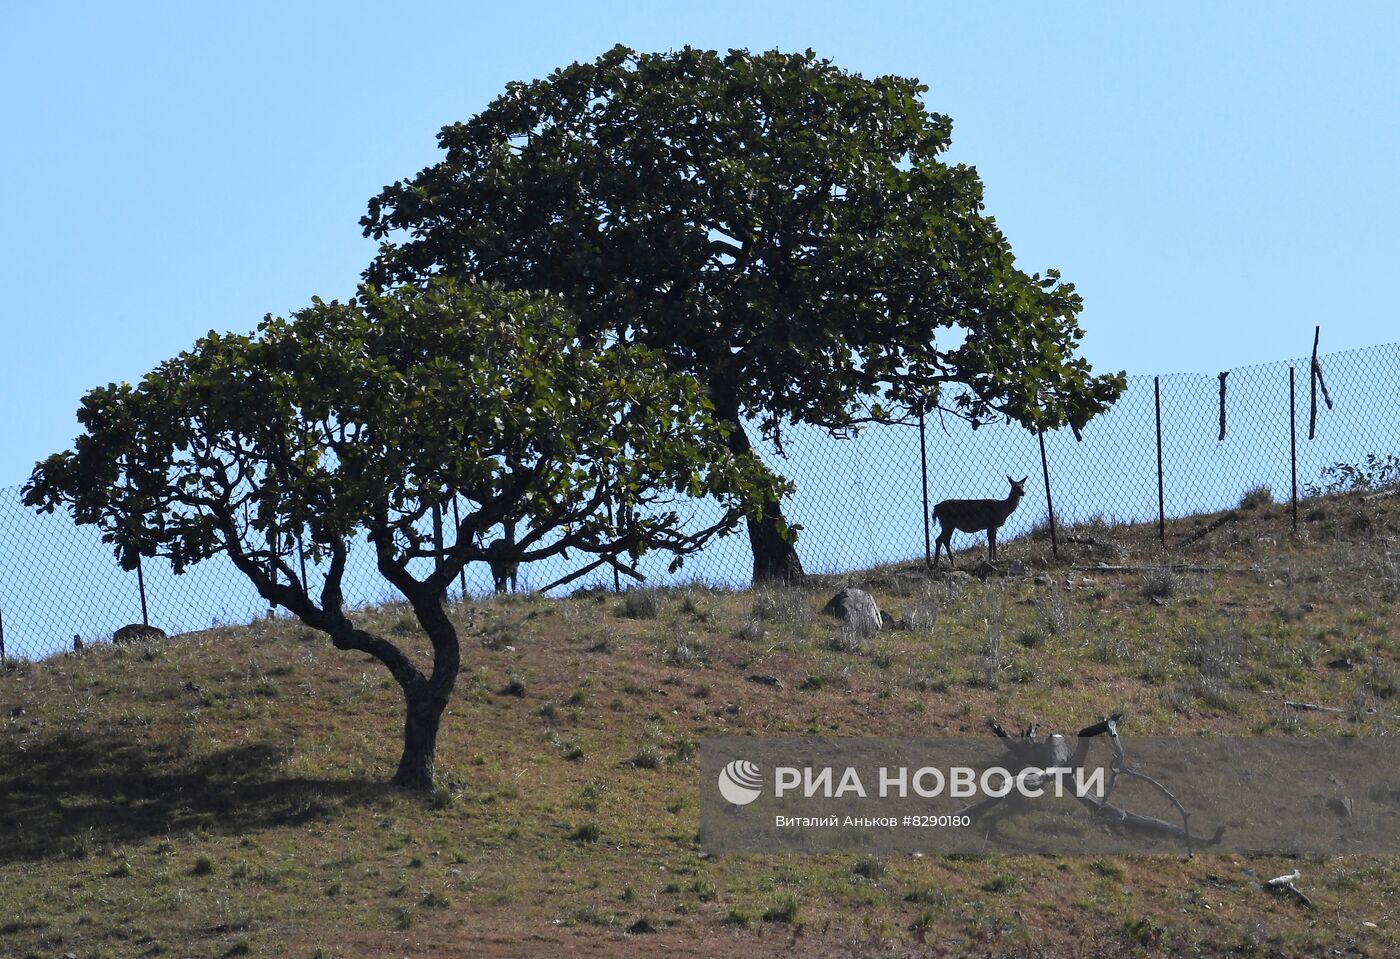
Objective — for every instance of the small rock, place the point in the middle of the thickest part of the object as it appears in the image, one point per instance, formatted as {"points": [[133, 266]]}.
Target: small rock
{"points": [[1343, 807], [1043, 579], [766, 680], [855, 608], [1344, 663], [1158, 601], [641, 927]]}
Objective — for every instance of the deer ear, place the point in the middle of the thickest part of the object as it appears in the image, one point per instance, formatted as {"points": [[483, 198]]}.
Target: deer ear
{"points": [[1010, 480], [1023, 480]]}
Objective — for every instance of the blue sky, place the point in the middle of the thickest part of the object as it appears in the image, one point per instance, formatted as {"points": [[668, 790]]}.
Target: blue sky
{"points": [[1216, 178]]}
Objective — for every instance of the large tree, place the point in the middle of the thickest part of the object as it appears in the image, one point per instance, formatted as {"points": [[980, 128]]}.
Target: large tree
{"points": [[350, 426], [780, 228]]}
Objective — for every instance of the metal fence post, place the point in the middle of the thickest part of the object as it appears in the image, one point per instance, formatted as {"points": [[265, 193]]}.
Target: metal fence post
{"points": [[1293, 442], [923, 473], [141, 587], [457, 525], [1049, 500], [2, 637], [1161, 485], [1312, 391]]}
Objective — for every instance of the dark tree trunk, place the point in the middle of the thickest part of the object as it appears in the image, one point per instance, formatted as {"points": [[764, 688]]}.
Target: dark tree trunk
{"points": [[422, 717], [774, 558]]}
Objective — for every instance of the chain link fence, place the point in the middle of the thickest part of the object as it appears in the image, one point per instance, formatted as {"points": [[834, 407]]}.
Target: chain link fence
{"points": [[859, 501]]}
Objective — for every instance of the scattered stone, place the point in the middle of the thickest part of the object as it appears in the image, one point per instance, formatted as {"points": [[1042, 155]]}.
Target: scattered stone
{"points": [[1345, 664], [773, 681], [1043, 579], [1343, 807], [1158, 601], [855, 608], [137, 633]]}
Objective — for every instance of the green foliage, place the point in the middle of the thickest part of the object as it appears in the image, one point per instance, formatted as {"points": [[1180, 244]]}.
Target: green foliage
{"points": [[749, 215], [1376, 473], [355, 420], [359, 417]]}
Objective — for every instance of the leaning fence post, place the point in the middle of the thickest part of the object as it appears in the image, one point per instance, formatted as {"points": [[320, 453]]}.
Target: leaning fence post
{"points": [[141, 587], [1161, 485], [1049, 500], [1293, 442], [1312, 391], [2, 637], [923, 473]]}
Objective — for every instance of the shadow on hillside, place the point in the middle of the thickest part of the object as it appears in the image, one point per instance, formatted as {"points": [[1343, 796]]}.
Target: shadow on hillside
{"points": [[70, 795]]}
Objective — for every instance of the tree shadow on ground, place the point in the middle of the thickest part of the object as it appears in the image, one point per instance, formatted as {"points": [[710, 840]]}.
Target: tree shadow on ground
{"points": [[70, 795]]}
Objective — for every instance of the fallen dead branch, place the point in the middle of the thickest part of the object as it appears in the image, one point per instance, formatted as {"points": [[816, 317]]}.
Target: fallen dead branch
{"points": [[1325, 709], [1285, 884], [1033, 751], [1202, 533]]}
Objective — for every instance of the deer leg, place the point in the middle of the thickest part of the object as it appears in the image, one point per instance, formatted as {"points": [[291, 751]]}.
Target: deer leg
{"points": [[992, 544], [945, 541]]}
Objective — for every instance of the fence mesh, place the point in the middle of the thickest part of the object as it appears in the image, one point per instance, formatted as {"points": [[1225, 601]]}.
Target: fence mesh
{"points": [[859, 500]]}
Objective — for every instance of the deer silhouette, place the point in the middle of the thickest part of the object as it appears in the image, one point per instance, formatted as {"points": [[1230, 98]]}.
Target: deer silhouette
{"points": [[500, 557], [973, 516]]}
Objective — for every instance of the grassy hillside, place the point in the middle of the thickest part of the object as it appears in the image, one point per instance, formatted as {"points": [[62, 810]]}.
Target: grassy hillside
{"points": [[220, 794]]}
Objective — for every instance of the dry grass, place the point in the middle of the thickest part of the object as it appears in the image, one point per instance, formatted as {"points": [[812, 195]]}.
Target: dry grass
{"points": [[221, 793]]}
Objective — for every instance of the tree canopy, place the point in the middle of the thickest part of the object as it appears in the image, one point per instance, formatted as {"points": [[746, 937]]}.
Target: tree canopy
{"points": [[783, 229], [351, 422]]}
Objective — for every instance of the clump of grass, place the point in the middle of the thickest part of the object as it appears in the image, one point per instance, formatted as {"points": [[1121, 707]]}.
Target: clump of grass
{"points": [[582, 693], [1161, 584], [641, 604], [1143, 931], [647, 757], [203, 866], [785, 606], [740, 917], [869, 867], [1257, 496], [693, 605], [515, 687], [755, 630], [921, 617], [929, 683], [844, 639], [685, 651], [591, 915], [1002, 884], [812, 682], [586, 833], [1382, 680], [785, 910]]}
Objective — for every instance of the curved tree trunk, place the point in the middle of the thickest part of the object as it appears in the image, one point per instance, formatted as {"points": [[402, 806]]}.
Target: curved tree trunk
{"points": [[422, 717], [775, 559]]}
